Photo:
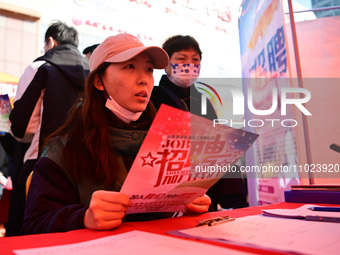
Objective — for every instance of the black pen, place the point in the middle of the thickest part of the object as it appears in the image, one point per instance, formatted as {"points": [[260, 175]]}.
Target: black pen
{"points": [[325, 209]]}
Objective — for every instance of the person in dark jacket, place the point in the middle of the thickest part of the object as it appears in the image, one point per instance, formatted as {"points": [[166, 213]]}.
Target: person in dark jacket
{"points": [[177, 89], [46, 91], [89, 50], [76, 182]]}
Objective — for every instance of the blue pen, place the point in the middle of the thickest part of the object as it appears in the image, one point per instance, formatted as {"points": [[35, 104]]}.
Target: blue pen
{"points": [[325, 209]]}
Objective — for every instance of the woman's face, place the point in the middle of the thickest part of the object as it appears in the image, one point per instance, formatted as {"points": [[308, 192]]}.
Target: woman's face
{"points": [[130, 83]]}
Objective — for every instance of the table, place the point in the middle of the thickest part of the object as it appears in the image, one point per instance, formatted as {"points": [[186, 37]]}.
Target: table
{"points": [[8, 244]]}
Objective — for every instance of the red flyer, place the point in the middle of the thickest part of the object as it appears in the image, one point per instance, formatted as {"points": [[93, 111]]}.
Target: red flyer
{"points": [[181, 157]]}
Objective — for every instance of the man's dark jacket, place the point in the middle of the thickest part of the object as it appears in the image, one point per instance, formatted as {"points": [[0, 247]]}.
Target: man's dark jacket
{"points": [[62, 77]]}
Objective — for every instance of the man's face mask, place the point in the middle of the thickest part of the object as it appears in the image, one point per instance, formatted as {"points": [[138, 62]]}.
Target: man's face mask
{"points": [[184, 75]]}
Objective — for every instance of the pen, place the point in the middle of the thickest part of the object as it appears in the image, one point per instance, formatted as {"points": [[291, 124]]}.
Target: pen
{"points": [[214, 221], [324, 219], [325, 209], [221, 221]]}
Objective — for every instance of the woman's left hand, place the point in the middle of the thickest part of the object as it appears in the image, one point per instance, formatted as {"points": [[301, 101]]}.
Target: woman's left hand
{"points": [[199, 205]]}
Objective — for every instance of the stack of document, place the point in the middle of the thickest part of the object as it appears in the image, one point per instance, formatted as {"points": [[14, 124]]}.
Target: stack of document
{"points": [[323, 194], [307, 212], [289, 231], [133, 242], [317, 187]]}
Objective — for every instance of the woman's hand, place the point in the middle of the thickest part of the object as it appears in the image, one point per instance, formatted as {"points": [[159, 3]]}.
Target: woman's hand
{"points": [[199, 205], [106, 210]]}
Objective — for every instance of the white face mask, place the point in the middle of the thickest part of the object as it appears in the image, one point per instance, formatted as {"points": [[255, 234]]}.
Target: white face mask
{"points": [[184, 75], [122, 113]]}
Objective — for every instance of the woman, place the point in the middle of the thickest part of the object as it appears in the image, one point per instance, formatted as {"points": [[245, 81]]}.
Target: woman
{"points": [[76, 181]]}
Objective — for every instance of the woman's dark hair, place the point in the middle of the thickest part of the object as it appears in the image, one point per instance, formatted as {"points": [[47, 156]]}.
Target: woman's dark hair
{"points": [[87, 147], [179, 42]]}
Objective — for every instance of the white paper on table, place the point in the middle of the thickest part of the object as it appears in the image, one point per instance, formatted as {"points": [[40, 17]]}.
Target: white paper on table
{"points": [[166, 173], [290, 235], [299, 213], [133, 242]]}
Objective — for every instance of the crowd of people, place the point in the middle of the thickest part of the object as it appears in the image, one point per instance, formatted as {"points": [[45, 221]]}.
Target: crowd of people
{"points": [[72, 123]]}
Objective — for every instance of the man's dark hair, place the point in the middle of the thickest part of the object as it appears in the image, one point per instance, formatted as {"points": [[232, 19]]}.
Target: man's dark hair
{"points": [[179, 42], [62, 33]]}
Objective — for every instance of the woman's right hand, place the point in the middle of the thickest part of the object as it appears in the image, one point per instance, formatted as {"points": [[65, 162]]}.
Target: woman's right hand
{"points": [[106, 210]]}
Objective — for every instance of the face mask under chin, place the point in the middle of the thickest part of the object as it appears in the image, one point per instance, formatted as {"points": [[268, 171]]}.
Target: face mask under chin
{"points": [[122, 113]]}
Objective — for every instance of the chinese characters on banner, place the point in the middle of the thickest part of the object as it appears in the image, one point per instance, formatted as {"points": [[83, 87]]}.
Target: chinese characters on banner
{"points": [[262, 39], [264, 67], [273, 56], [181, 157]]}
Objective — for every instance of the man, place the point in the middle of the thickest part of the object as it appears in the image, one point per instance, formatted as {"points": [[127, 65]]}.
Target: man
{"points": [[177, 89], [46, 91]]}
